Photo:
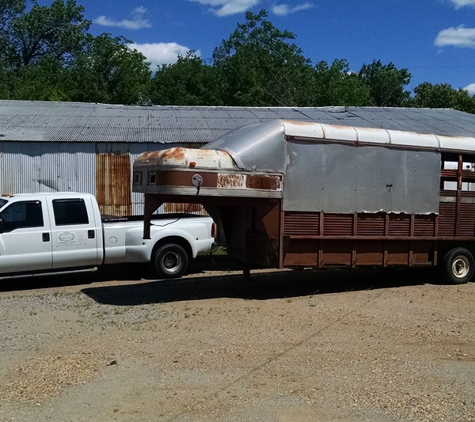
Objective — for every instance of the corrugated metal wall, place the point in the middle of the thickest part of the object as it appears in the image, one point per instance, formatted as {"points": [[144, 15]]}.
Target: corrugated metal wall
{"points": [[76, 167], [103, 169], [46, 167]]}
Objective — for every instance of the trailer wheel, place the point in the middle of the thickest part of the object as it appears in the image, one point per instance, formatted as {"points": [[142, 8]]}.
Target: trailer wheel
{"points": [[459, 265], [170, 261]]}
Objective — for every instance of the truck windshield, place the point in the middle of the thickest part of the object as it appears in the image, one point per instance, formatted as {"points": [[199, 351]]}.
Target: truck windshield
{"points": [[2, 202]]}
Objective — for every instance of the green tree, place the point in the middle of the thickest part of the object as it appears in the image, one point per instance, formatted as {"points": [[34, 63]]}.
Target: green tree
{"points": [[386, 84], [465, 101], [258, 66], [9, 11], [336, 85], [189, 81], [57, 31], [42, 81], [109, 71], [8, 81], [37, 46], [48, 54], [443, 96]]}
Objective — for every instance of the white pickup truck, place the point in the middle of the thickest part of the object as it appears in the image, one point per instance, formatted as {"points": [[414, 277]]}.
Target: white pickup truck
{"points": [[58, 232]]}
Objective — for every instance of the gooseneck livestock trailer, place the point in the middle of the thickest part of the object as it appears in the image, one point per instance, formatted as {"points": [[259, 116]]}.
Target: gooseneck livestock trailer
{"points": [[293, 194]]}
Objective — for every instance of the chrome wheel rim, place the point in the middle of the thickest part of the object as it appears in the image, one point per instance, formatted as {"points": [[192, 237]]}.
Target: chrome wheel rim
{"points": [[171, 262], [460, 266]]}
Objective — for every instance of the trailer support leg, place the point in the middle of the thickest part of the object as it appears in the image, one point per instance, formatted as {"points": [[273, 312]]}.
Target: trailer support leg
{"points": [[246, 262], [151, 204], [246, 269]]}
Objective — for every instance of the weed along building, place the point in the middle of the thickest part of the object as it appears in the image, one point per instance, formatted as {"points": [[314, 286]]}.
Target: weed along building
{"points": [[60, 146]]}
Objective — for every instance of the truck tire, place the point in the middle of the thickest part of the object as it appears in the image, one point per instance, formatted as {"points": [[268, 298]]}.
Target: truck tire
{"points": [[170, 261], [459, 266]]}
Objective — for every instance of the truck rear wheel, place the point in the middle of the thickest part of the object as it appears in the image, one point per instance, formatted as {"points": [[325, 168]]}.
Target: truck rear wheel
{"points": [[459, 265], [170, 261]]}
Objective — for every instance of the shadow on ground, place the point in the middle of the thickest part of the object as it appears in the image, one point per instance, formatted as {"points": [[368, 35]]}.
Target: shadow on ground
{"points": [[214, 277], [119, 272], [261, 286]]}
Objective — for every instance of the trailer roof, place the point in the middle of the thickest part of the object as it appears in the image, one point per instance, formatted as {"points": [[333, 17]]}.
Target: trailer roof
{"points": [[383, 137], [262, 146], [87, 122]]}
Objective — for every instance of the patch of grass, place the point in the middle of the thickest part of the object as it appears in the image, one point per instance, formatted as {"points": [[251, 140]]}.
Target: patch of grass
{"points": [[219, 251]]}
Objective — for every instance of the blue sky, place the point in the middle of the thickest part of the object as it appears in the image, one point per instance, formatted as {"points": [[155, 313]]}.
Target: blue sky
{"points": [[433, 39]]}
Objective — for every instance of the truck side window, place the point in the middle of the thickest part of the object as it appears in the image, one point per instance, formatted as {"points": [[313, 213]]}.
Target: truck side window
{"points": [[22, 214], [70, 212]]}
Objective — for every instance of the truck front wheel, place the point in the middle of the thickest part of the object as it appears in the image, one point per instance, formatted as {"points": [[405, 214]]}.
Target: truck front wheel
{"points": [[170, 261], [459, 265]]}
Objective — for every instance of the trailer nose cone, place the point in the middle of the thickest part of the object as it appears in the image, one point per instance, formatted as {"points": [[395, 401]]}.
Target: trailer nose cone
{"points": [[187, 157]]}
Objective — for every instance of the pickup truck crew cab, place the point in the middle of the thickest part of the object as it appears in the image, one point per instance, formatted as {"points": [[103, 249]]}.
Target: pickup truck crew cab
{"points": [[57, 232]]}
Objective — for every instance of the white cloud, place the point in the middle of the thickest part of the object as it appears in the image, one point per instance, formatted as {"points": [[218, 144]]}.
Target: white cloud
{"points": [[162, 53], [136, 20], [456, 37], [228, 7], [462, 3], [471, 89], [285, 9]]}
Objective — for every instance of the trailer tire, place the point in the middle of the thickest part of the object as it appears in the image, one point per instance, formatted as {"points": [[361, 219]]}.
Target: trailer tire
{"points": [[170, 261], [459, 266]]}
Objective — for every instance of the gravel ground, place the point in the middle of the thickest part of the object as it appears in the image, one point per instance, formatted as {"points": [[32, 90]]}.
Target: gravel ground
{"points": [[283, 346]]}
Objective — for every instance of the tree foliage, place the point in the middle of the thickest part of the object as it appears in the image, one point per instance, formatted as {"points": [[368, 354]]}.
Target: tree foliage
{"points": [[43, 81], [189, 81], [386, 84], [107, 70], [443, 96], [335, 85], [47, 53], [57, 31], [9, 11], [259, 66]]}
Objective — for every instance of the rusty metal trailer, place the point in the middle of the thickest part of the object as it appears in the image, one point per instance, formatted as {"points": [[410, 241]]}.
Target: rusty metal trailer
{"points": [[292, 194]]}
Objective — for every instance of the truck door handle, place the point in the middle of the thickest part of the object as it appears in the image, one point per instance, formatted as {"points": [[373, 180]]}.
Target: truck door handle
{"points": [[45, 237], [90, 234]]}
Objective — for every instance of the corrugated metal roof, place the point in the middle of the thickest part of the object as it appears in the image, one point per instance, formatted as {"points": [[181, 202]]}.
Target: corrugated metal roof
{"points": [[87, 122]]}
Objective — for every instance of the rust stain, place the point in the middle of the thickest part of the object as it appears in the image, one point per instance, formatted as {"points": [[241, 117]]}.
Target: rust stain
{"points": [[185, 207], [231, 181], [298, 123], [249, 181], [264, 182], [113, 190], [177, 153], [148, 156]]}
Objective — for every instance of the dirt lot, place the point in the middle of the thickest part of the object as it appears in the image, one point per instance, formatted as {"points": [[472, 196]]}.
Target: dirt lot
{"points": [[283, 346]]}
